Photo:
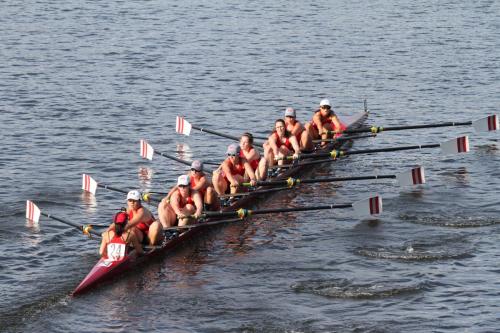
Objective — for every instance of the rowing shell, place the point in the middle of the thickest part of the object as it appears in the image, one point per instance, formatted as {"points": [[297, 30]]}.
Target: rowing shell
{"points": [[106, 269]]}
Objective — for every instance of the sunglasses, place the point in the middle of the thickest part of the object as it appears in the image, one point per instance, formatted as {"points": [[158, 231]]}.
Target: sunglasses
{"points": [[132, 200], [195, 170], [232, 155], [182, 186], [326, 107]]}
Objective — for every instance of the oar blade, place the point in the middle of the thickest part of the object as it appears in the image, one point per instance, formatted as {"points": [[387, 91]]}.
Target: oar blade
{"points": [[182, 126], [369, 206], [455, 146], [415, 176], [32, 211], [146, 150], [89, 184], [486, 124]]}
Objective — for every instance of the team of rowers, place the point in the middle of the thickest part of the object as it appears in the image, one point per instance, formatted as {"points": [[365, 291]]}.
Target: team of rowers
{"points": [[194, 192]]}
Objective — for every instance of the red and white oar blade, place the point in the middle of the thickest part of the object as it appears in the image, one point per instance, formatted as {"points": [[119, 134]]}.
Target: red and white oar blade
{"points": [[146, 150], [486, 124], [455, 146], [415, 176], [89, 184], [369, 206], [182, 126], [32, 211]]}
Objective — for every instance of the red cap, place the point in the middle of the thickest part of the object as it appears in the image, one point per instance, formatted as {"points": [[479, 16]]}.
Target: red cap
{"points": [[121, 218]]}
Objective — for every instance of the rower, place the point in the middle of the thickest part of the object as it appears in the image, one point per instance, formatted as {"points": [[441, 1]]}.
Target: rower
{"points": [[116, 243], [247, 151], [296, 128], [200, 183], [231, 173], [280, 144], [324, 122], [142, 221], [182, 206]]}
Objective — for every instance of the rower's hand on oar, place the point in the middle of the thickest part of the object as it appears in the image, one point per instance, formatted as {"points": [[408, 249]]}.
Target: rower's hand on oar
{"points": [[235, 183], [253, 182], [295, 156]]}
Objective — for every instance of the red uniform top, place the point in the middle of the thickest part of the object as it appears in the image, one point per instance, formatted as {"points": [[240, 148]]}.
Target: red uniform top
{"points": [[142, 226], [253, 163], [279, 143], [192, 184], [328, 119], [238, 169], [117, 248], [184, 201]]}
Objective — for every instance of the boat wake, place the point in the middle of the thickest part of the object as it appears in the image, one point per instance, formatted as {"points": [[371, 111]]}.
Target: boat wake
{"points": [[420, 250], [452, 221], [344, 288]]}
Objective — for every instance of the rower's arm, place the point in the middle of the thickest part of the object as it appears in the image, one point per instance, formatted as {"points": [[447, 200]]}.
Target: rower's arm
{"points": [[198, 202], [249, 170], [295, 143], [227, 172], [104, 243], [135, 220], [171, 191], [174, 203], [273, 145], [338, 125], [317, 121], [201, 184]]}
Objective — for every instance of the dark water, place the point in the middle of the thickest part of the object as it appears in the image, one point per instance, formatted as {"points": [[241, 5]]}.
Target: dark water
{"points": [[81, 82]]}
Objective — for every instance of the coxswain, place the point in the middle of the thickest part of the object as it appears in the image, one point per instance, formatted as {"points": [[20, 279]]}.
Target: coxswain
{"points": [[296, 128], [248, 151], [182, 206], [117, 242], [324, 122], [142, 221], [280, 144], [231, 173]]}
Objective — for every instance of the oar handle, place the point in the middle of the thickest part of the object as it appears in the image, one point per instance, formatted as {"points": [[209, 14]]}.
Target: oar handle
{"points": [[84, 228], [290, 182], [379, 129]]}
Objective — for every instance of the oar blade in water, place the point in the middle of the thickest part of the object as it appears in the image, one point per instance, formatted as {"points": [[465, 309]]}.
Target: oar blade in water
{"points": [[89, 184], [455, 146], [415, 176], [32, 211]]}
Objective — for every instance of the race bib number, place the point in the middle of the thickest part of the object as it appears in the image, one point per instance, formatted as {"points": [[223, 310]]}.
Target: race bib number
{"points": [[116, 251]]}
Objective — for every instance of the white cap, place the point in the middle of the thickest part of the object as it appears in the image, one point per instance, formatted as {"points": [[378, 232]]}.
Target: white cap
{"points": [[325, 102], [290, 112], [183, 180], [134, 195]]}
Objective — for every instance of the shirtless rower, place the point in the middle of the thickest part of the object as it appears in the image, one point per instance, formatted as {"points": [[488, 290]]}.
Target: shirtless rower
{"points": [[116, 243], [296, 128], [182, 206], [280, 144], [231, 172], [324, 120], [142, 221], [248, 151]]}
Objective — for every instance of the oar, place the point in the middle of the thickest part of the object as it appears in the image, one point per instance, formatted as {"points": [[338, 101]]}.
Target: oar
{"points": [[454, 146], [182, 126], [489, 123], [258, 192], [346, 138], [369, 206], [415, 176], [90, 185], [33, 214], [203, 224], [147, 152]]}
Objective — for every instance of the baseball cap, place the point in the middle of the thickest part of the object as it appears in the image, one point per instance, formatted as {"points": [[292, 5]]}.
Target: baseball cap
{"points": [[233, 149], [325, 102], [120, 218], [289, 112], [134, 195], [197, 165], [183, 180]]}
